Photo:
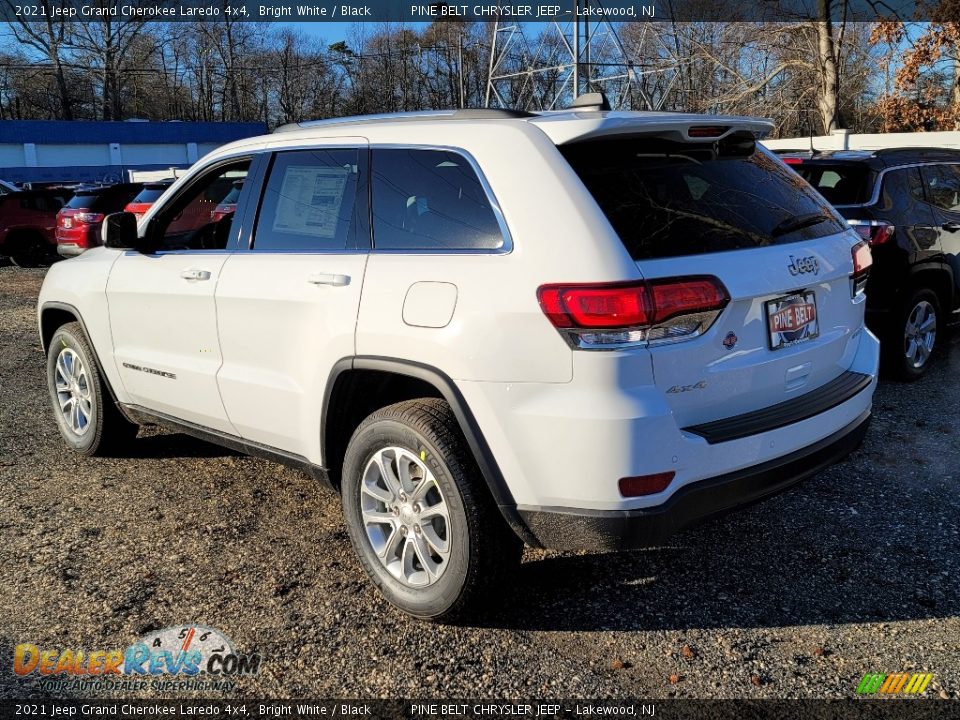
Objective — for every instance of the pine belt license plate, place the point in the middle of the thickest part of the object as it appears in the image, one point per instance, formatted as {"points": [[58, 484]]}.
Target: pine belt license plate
{"points": [[792, 319]]}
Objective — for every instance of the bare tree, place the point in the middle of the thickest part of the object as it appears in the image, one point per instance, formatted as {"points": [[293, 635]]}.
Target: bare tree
{"points": [[49, 38]]}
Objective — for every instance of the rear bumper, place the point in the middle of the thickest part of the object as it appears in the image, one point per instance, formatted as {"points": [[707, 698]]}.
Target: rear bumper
{"points": [[69, 249], [578, 529]]}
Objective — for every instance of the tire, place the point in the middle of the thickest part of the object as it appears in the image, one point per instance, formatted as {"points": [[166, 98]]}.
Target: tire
{"points": [[88, 420], [913, 335], [423, 437], [28, 251]]}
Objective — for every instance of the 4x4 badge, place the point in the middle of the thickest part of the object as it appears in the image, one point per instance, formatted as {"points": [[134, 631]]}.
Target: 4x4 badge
{"points": [[808, 264]]}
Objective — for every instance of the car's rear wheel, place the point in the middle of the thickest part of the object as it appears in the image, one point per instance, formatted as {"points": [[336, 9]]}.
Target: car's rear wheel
{"points": [[85, 415], [914, 334], [423, 524]]}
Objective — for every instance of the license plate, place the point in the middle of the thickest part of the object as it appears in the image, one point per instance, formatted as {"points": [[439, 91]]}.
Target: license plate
{"points": [[792, 319]]}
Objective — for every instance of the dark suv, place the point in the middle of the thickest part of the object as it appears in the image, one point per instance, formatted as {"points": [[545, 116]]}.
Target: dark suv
{"points": [[906, 203]]}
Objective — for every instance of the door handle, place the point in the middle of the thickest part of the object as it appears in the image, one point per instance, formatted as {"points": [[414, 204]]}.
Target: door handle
{"points": [[194, 274], [328, 279], [951, 226]]}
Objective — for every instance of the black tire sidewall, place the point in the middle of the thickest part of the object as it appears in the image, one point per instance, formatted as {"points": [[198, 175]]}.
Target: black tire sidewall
{"points": [[898, 333], [66, 338], [435, 599]]}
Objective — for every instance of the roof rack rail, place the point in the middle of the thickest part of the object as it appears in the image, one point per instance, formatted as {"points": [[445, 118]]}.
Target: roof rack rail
{"points": [[463, 114]]}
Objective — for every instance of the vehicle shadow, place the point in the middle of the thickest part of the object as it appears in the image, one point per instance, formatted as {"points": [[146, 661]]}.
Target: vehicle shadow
{"points": [[791, 561]]}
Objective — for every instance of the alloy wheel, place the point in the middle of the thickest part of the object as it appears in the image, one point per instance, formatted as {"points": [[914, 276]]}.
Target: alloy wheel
{"points": [[405, 517], [73, 391], [920, 334]]}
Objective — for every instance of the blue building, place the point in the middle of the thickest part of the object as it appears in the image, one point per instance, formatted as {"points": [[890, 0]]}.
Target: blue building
{"points": [[93, 151]]}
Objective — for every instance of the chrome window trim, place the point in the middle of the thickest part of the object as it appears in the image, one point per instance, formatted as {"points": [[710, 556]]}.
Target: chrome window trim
{"points": [[875, 195], [341, 143], [505, 249]]}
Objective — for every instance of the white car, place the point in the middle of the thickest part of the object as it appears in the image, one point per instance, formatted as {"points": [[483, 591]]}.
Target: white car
{"points": [[578, 330]]}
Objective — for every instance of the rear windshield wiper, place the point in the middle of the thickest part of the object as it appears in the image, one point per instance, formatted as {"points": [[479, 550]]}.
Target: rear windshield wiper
{"points": [[798, 223]]}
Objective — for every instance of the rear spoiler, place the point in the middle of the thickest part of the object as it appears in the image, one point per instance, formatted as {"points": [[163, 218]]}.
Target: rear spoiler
{"points": [[571, 126]]}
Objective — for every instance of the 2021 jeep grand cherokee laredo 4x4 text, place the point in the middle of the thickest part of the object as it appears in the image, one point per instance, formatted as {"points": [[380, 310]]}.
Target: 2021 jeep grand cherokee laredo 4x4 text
{"points": [[580, 329]]}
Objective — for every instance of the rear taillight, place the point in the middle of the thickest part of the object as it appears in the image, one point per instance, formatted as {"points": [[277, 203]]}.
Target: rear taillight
{"points": [[862, 260], [610, 315], [88, 218], [875, 232], [792, 160]]}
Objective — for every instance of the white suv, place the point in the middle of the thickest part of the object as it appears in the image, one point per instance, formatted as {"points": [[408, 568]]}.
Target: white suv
{"points": [[578, 330]]}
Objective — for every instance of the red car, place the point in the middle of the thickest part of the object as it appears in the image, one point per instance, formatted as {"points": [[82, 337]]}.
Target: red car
{"points": [[78, 224], [147, 197], [228, 205], [28, 219]]}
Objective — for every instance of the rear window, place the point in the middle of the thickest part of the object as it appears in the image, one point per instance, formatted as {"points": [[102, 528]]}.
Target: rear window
{"points": [[840, 184], [670, 199], [82, 201], [108, 199], [149, 194]]}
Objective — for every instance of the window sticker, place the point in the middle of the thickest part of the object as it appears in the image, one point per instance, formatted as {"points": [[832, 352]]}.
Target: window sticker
{"points": [[310, 200]]}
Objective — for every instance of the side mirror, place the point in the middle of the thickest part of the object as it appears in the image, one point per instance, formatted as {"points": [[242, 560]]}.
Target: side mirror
{"points": [[120, 231]]}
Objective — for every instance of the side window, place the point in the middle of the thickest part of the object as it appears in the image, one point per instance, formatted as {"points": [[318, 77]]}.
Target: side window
{"points": [[198, 219], [430, 200], [914, 182], [310, 202], [899, 184], [41, 203], [942, 184]]}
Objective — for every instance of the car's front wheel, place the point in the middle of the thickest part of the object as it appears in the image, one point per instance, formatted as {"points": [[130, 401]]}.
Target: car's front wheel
{"points": [[418, 514], [87, 419]]}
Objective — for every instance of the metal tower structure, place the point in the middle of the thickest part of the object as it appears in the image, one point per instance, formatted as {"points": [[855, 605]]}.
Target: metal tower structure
{"points": [[573, 56]]}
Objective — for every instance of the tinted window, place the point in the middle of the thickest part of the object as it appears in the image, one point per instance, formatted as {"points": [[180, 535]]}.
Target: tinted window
{"points": [[41, 203], [430, 200], [104, 200], [310, 202], [942, 185], [900, 185], [841, 184], [190, 222], [668, 199], [82, 201], [150, 194]]}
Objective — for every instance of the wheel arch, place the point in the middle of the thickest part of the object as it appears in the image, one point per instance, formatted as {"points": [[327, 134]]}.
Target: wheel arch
{"points": [[938, 277], [53, 316], [358, 386]]}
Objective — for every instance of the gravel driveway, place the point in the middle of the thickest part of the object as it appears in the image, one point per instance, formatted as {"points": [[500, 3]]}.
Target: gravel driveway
{"points": [[854, 571]]}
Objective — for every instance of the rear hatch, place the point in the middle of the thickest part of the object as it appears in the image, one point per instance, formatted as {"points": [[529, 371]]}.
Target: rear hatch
{"points": [[725, 208]]}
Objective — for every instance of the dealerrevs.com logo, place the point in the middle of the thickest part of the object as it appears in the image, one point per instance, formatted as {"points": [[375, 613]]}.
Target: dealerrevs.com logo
{"points": [[182, 657], [895, 684]]}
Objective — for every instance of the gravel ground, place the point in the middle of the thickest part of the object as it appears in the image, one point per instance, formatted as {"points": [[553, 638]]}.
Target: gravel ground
{"points": [[854, 571]]}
